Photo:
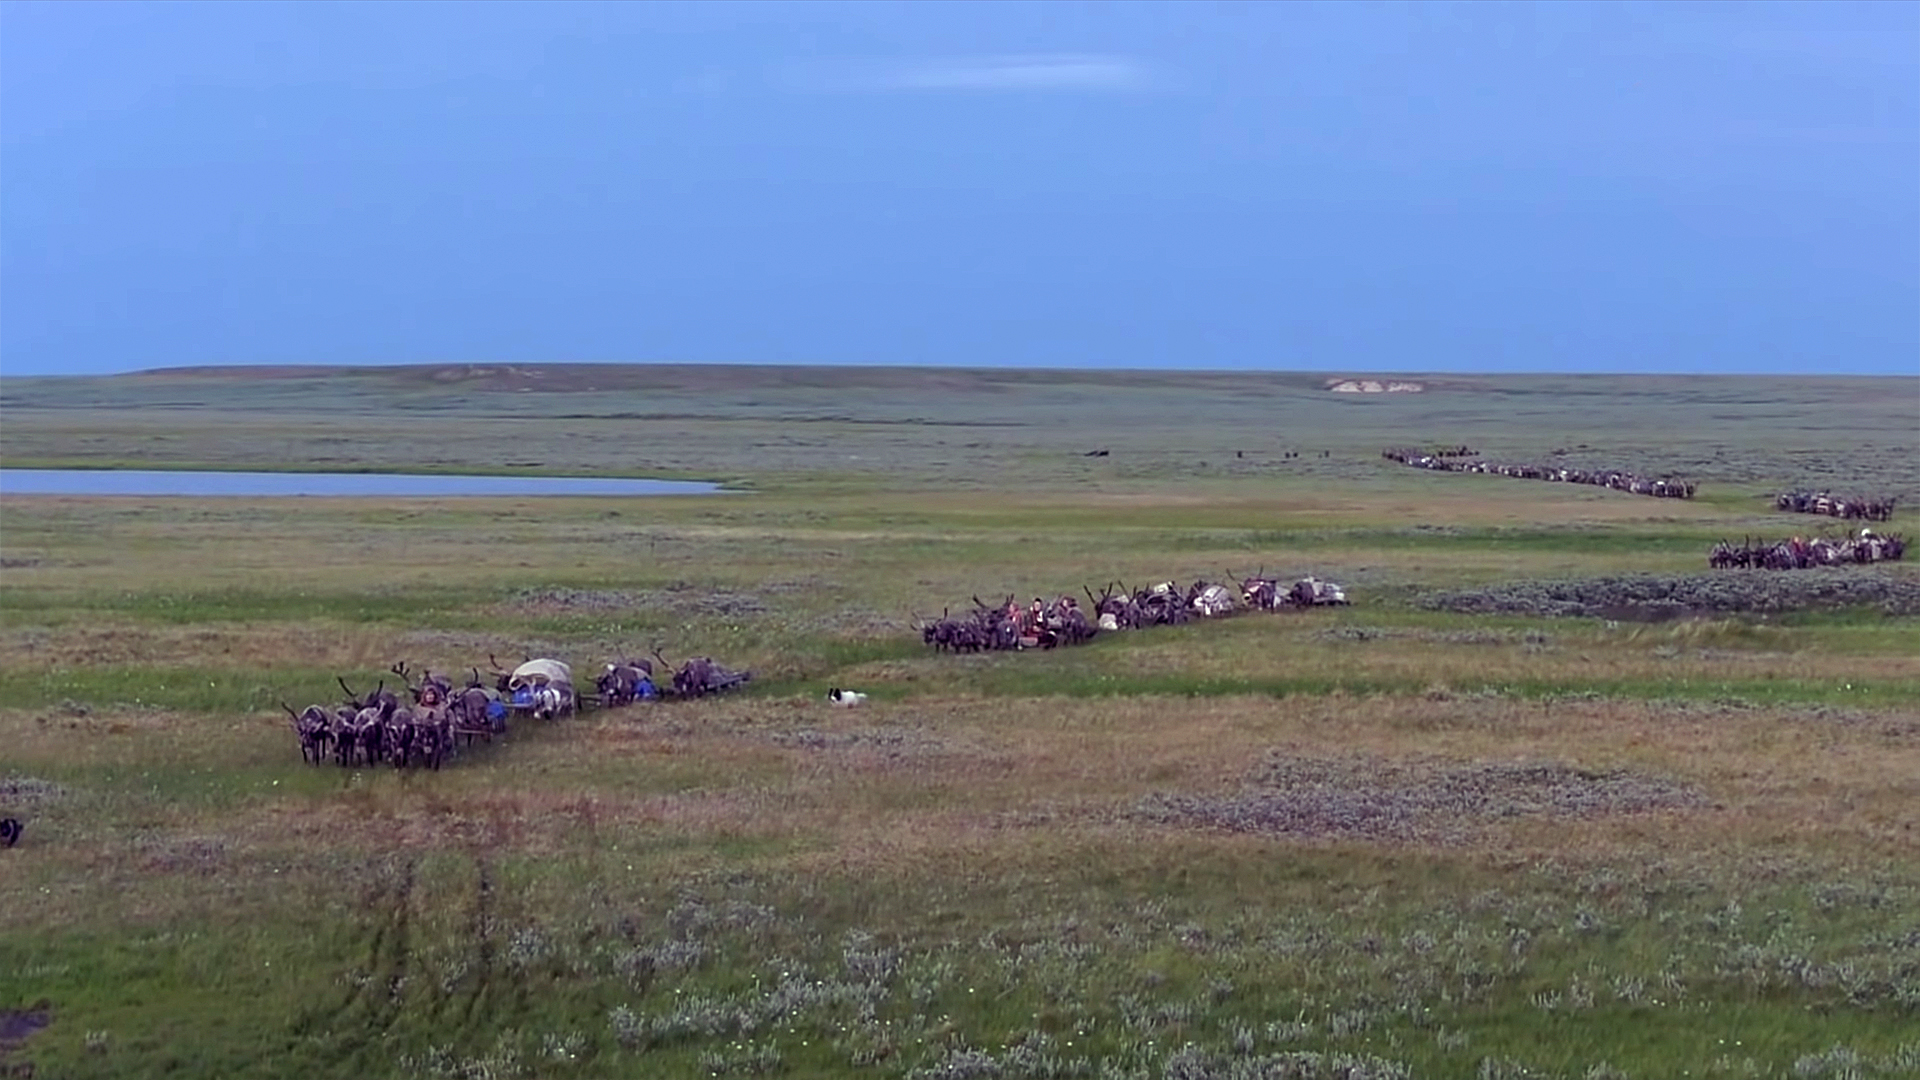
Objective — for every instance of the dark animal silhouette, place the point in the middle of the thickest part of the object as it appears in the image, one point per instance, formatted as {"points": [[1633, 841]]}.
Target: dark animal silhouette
{"points": [[624, 682]]}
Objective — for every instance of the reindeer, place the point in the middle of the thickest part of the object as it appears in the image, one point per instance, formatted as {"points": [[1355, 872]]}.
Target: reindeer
{"points": [[1109, 610], [944, 634], [370, 733], [472, 711], [362, 727], [960, 635], [314, 726], [1208, 600], [396, 730], [1072, 627], [375, 698], [552, 700], [625, 681], [700, 676], [690, 679], [1260, 592], [1163, 604], [1721, 556], [344, 733], [433, 737], [437, 687]]}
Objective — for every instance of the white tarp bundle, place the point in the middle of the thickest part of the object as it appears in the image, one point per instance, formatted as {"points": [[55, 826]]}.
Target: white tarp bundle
{"points": [[1213, 600], [1308, 592], [539, 672]]}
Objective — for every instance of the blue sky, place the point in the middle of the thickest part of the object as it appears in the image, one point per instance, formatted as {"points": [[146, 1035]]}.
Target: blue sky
{"points": [[1727, 187]]}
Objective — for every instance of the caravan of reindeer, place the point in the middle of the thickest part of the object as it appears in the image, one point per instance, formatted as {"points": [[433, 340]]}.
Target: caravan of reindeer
{"points": [[1045, 624], [1617, 479], [1852, 507], [1803, 554], [378, 726]]}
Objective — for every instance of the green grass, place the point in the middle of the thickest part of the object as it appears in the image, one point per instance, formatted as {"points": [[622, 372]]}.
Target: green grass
{"points": [[1105, 964], [958, 876], [254, 605], [1108, 668], [1744, 691]]}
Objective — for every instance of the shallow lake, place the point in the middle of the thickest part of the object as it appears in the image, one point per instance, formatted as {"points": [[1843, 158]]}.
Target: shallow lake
{"points": [[144, 482]]}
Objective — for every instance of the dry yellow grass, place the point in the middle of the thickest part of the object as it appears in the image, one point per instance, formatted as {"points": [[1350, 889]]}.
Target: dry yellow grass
{"points": [[893, 789]]}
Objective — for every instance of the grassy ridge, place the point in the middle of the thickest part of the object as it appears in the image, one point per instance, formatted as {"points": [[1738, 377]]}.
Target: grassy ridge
{"points": [[989, 430]]}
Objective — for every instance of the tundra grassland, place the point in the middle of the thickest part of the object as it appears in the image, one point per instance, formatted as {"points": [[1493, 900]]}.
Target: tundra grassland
{"points": [[1389, 840]]}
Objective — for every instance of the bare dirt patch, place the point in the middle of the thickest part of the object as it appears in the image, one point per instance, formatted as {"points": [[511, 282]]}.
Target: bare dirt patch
{"points": [[201, 855], [100, 643], [28, 791], [1421, 800], [680, 598], [888, 742]]}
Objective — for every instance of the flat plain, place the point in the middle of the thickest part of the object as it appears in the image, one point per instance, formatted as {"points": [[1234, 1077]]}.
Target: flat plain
{"points": [[1389, 840]]}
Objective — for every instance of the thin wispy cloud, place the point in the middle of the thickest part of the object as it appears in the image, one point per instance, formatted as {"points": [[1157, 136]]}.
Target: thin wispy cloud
{"points": [[1029, 71], [1007, 73]]}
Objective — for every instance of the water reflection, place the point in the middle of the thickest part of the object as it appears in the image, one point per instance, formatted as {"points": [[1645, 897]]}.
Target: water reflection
{"points": [[158, 482]]}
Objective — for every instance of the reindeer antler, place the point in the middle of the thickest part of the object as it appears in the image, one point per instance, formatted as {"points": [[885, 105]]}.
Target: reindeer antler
{"points": [[290, 711], [351, 696]]}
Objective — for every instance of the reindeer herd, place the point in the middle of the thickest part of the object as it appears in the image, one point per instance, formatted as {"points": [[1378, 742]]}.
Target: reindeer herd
{"points": [[376, 726], [1047, 624], [423, 730], [1851, 507], [423, 723], [1617, 479], [1803, 554]]}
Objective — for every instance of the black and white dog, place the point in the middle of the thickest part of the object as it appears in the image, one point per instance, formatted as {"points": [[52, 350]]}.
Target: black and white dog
{"points": [[847, 698]]}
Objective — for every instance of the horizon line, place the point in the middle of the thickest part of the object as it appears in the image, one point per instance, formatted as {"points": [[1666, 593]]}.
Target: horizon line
{"points": [[1350, 372]]}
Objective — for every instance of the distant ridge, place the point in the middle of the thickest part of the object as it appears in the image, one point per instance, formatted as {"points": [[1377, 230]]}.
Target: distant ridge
{"points": [[593, 378], [430, 382]]}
